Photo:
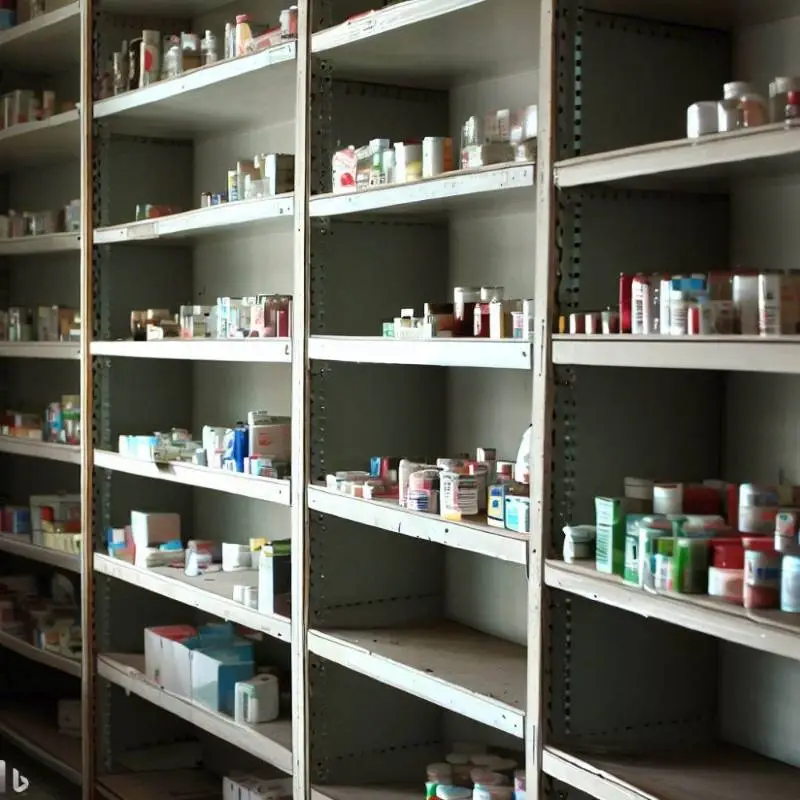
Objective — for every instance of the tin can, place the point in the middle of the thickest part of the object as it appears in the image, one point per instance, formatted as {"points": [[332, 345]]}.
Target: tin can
{"points": [[577, 323], [592, 323], [640, 304], [769, 305], [625, 288], [459, 495], [437, 156], [233, 185], [609, 321]]}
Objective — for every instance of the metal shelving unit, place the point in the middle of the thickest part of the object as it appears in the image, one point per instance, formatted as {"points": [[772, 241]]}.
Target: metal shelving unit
{"points": [[407, 632]]}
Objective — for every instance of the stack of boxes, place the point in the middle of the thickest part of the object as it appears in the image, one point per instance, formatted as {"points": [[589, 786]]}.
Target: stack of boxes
{"points": [[207, 664]]}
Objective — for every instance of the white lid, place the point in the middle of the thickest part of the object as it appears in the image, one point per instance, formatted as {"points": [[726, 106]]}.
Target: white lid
{"points": [[442, 767], [737, 89], [783, 83]]}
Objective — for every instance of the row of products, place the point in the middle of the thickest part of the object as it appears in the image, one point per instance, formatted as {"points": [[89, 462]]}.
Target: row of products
{"points": [[60, 423], [16, 225], [480, 312], [250, 786], [455, 488], [214, 666], [48, 620], [41, 324], [52, 521], [16, 12], [261, 316], [470, 772], [265, 175], [723, 303], [261, 446], [502, 137], [24, 105], [263, 567], [736, 543], [154, 56], [742, 106]]}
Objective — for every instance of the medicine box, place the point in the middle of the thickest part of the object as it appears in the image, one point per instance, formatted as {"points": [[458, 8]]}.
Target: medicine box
{"points": [[152, 528], [274, 575], [215, 672], [167, 660], [518, 514], [610, 544]]}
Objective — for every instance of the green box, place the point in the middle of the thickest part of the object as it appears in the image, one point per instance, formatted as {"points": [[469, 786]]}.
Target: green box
{"points": [[610, 545]]}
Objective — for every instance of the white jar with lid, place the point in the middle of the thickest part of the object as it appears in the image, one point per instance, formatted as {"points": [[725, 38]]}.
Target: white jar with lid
{"points": [[790, 584], [728, 110], [702, 119]]}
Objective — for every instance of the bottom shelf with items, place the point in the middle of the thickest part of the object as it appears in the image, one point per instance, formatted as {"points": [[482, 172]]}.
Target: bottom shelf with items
{"points": [[720, 773], [33, 728]]}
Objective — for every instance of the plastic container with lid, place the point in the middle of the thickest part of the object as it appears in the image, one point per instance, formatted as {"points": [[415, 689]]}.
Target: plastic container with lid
{"points": [[779, 90], [439, 772], [790, 584], [729, 110], [668, 498], [726, 584], [753, 110], [762, 572], [243, 35], [487, 777]]}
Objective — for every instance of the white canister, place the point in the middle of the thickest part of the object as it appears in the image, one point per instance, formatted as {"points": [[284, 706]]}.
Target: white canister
{"points": [[579, 542], [408, 162], [256, 700], [668, 498], [433, 153], [790, 584], [702, 119]]}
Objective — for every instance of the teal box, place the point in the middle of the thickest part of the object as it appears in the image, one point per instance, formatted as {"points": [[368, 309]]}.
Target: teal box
{"points": [[217, 670]]}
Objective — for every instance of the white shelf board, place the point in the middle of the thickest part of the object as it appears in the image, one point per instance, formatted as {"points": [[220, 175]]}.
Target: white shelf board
{"points": [[719, 773], [40, 143], [41, 245], [69, 454], [732, 353], [769, 631], [496, 353], [510, 184], [475, 537], [266, 351], [28, 651], [201, 222], [220, 97], [212, 593], [457, 668], [752, 150], [270, 490], [432, 43], [70, 351], [45, 44], [271, 742], [34, 731], [20, 545]]}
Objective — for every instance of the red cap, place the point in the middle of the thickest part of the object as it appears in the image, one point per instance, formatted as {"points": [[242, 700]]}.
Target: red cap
{"points": [[793, 98]]}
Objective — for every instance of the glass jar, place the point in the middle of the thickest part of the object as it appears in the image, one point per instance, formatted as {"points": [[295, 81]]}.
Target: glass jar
{"points": [[729, 110], [753, 110]]}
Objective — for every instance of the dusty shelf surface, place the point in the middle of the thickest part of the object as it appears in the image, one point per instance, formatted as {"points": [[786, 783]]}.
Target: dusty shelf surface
{"points": [[175, 783], [479, 676], [33, 729], [723, 772], [771, 631]]}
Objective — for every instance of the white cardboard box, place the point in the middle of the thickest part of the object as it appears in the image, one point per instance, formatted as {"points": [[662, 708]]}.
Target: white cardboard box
{"points": [[150, 529], [168, 663]]}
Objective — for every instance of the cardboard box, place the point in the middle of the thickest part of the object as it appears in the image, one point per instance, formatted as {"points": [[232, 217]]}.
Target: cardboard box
{"points": [[167, 659], [150, 529], [274, 576], [215, 671]]}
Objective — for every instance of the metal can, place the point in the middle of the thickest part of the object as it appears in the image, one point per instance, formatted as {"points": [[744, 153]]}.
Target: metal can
{"points": [[233, 185]]}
